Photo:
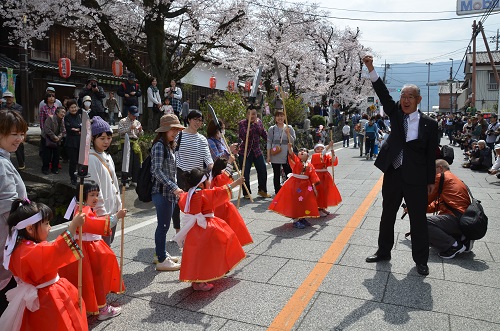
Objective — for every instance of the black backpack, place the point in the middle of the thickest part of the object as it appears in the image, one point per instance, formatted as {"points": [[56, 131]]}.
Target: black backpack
{"points": [[473, 222], [145, 180], [447, 154]]}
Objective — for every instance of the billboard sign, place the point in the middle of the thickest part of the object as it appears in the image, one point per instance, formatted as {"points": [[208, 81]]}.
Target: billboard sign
{"points": [[468, 7]]}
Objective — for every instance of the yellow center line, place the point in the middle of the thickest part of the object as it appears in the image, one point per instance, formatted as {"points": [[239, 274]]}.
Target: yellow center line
{"points": [[291, 312]]}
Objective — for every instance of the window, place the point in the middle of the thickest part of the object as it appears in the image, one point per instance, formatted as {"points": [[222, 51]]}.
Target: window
{"points": [[492, 82]]}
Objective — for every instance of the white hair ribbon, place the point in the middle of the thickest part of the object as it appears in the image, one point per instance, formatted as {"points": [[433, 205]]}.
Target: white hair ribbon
{"points": [[11, 240], [191, 192]]}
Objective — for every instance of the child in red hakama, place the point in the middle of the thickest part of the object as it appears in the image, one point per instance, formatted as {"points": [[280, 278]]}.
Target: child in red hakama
{"points": [[221, 173], [297, 196], [328, 193], [210, 247], [42, 300], [100, 272]]}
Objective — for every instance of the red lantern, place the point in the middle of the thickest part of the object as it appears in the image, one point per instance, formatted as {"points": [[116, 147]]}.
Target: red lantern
{"points": [[248, 86], [213, 82], [117, 68], [64, 67], [230, 85]]}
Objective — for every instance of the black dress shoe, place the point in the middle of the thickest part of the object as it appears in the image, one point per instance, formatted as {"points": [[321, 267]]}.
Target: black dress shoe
{"points": [[377, 257], [423, 269]]}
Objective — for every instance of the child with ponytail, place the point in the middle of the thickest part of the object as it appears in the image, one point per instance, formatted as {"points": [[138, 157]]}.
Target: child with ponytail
{"points": [[42, 300], [297, 196], [210, 247], [101, 273], [222, 175]]}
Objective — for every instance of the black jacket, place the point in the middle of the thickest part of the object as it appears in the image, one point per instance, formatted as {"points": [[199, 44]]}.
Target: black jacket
{"points": [[126, 88], [72, 122], [419, 158]]}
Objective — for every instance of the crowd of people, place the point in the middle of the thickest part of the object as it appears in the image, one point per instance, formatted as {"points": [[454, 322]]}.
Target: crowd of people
{"points": [[194, 174]]}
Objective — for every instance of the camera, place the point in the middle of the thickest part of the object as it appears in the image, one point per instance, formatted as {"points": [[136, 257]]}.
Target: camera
{"points": [[94, 85], [489, 132]]}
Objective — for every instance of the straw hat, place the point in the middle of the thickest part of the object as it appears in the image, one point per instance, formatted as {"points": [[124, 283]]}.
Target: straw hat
{"points": [[167, 122]]}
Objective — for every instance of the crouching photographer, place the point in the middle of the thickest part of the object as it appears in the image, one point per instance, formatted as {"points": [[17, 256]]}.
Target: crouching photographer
{"points": [[448, 201]]}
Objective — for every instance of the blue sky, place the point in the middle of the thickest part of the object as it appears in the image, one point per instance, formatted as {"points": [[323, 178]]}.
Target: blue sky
{"points": [[432, 41]]}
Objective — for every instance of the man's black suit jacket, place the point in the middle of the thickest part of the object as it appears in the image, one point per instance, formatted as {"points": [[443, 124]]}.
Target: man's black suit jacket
{"points": [[419, 155]]}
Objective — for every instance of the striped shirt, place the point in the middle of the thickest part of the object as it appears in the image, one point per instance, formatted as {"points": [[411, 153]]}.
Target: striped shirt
{"points": [[193, 152]]}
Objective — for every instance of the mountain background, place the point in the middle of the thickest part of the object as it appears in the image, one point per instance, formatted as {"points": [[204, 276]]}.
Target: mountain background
{"points": [[398, 74]]}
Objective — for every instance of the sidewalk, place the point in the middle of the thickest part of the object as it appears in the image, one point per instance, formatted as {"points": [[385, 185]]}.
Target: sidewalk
{"points": [[317, 278]]}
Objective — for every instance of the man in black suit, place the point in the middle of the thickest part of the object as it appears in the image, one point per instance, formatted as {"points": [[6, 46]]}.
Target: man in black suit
{"points": [[408, 163]]}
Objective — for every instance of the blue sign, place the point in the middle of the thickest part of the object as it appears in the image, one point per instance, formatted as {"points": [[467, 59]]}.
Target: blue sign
{"points": [[467, 7]]}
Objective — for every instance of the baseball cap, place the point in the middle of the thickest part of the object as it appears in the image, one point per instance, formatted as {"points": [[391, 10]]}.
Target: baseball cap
{"points": [[131, 75], [50, 89], [133, 110], [8, 94]]}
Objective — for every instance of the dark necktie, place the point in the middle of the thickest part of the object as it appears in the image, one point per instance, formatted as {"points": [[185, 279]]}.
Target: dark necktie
{"points": [[398, 161]]}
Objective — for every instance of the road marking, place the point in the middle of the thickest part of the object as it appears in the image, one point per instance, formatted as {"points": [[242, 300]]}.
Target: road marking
{"points": [[136, 226], [291, 312]]}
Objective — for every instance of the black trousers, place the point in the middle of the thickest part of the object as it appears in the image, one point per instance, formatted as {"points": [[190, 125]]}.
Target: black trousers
{"points": [[50, 155], [444, 230], [277, 174], [72, 153], [394, 189]]}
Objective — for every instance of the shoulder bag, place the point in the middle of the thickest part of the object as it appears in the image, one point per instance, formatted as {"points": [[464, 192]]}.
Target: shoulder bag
{"points": [[277, 148]]}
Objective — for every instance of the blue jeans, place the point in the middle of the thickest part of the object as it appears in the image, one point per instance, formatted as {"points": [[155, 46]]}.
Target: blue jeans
{"points": [[164, 210], [111, 118], [260, 166], [355, 136]]}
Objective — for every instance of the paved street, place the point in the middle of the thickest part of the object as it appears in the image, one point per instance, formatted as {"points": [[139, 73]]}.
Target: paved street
{"points": [[316, 278]]}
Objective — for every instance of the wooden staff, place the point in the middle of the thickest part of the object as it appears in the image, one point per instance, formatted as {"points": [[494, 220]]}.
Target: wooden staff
{"points": [[244, 156], [125, 171], [80, 244], [333, 155], [284, 112], [236, 167], [122, 239]]}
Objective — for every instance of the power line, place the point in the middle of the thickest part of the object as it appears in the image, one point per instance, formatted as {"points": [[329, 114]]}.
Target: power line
{"points": [[374, 11], [414, 41], [369, 20]]}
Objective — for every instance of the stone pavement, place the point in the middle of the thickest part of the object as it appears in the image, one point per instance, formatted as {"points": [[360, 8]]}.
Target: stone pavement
{"points": [[317, 278]]}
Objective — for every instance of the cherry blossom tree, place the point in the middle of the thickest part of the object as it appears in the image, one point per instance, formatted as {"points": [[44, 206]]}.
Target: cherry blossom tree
{"points": [[176, 34], [315, 58]]}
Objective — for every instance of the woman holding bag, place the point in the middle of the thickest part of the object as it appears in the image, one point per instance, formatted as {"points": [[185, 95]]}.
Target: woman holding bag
{"points": [[277, 147]]}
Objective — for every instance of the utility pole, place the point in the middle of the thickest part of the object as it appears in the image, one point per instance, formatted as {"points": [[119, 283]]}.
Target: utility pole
{"points": [[428, 81], [451, 86], [386, 66], [496, 41], [474, 34]]}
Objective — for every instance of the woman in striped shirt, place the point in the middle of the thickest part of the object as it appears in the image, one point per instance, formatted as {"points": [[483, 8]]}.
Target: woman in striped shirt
{"points": [[191, 152]]}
